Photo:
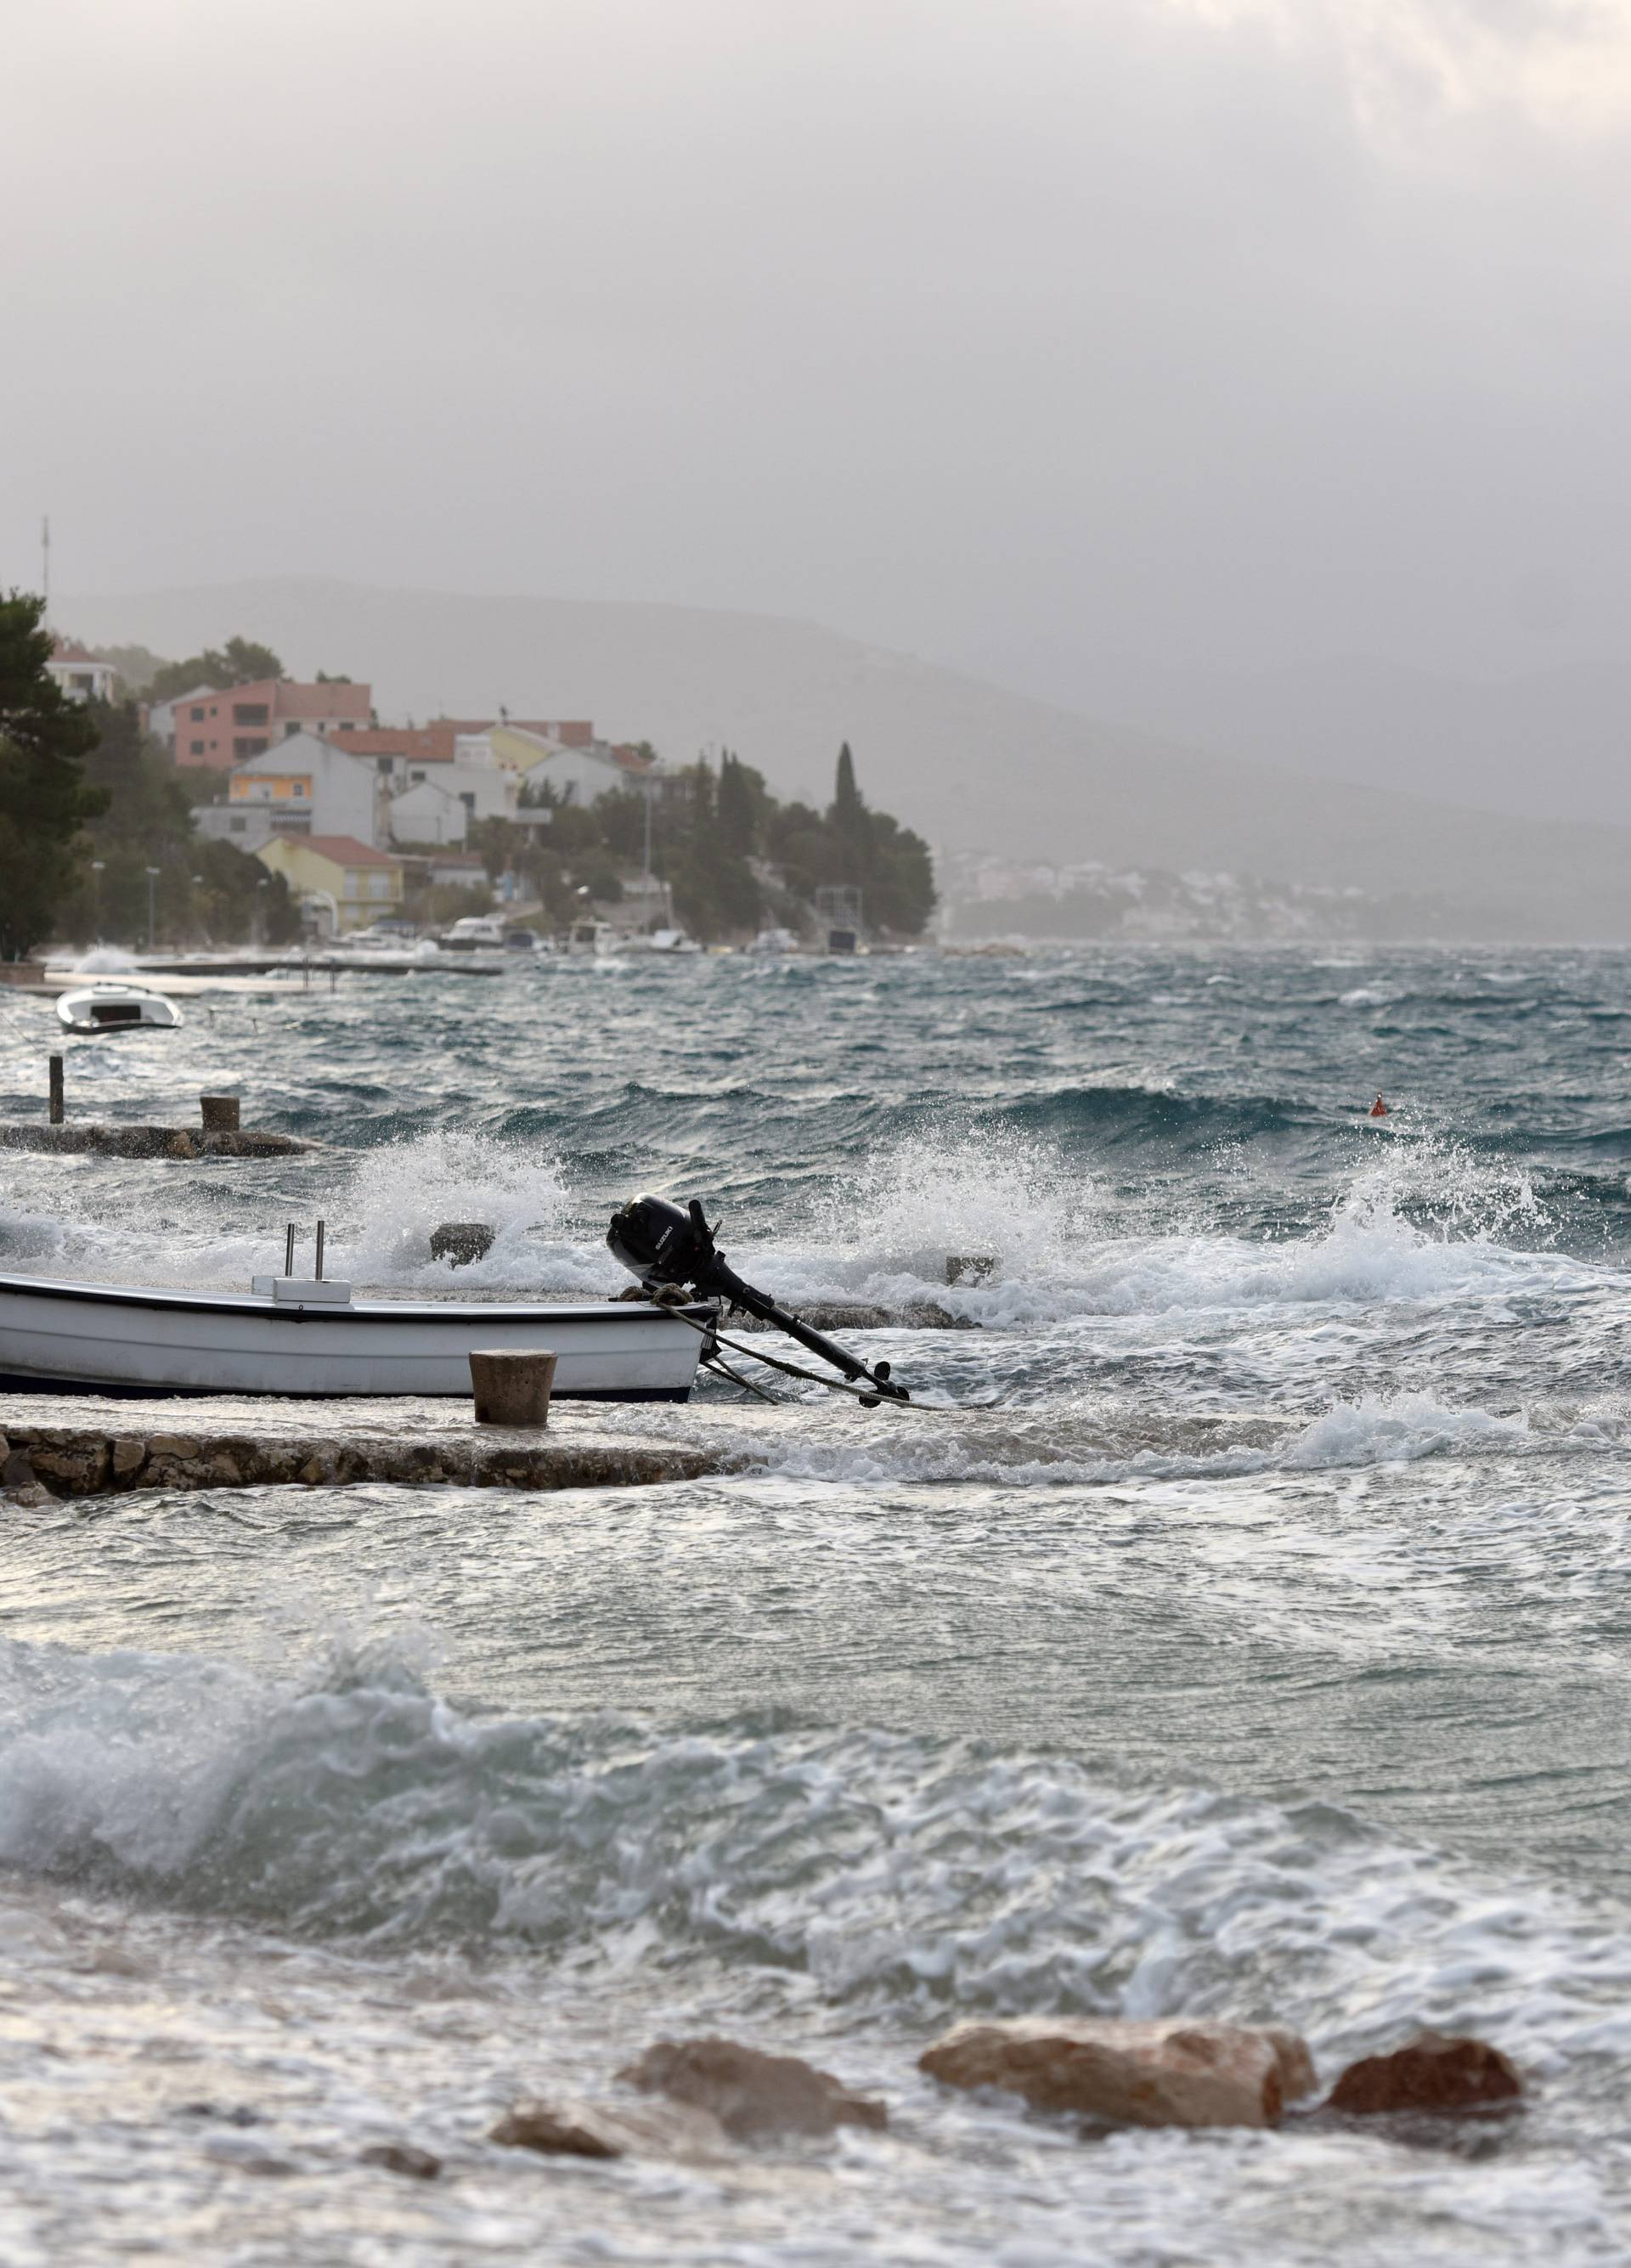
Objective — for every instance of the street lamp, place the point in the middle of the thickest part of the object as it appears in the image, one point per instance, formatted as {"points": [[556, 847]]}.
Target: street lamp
{"points": [[153, 876], [98, 868]]}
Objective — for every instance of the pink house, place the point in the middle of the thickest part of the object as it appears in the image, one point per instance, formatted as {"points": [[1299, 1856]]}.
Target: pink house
{"points": [[219, 730]]}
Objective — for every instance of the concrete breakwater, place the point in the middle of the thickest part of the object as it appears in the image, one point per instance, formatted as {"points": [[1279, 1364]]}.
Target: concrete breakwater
{"points": [[153, 1142], [73, 1445]]}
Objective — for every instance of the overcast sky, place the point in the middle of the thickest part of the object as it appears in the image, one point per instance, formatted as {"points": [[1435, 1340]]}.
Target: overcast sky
{"points": [[1008, 331]]}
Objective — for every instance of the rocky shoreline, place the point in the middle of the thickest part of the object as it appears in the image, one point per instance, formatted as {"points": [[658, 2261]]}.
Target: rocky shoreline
{"points": [[1106, 2073]]}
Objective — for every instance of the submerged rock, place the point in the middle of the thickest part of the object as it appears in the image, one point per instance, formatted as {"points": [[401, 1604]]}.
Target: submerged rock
{"points": [[749, 2093], [607, 2130], [1181, 2072], [1430, 2072], [402, 2158]]}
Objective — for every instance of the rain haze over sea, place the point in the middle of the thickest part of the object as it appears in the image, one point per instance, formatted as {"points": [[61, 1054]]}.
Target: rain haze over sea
{"points": [[1236, 1625]]}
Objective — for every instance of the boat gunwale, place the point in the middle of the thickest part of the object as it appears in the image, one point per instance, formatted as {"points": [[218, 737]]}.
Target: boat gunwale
{"points": [[444, 1312]]}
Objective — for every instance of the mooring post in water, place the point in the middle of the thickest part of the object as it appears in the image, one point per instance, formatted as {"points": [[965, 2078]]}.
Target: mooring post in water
{"points": [[318, 1270], [289, 1250], [56, 1090]]}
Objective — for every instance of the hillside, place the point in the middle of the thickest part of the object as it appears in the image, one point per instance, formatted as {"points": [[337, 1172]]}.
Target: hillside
{"points": [[969, 764]]}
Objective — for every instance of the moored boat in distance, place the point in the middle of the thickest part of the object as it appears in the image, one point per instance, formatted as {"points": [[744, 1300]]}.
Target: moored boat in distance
{"points": [[311, 1338], [473, 933], [116, 1004]]}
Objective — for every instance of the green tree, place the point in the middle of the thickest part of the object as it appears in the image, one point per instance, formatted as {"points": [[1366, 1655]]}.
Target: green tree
{"points": [[44, 797], [241, 661], [890, 865], [848, 815], [740, 807]]}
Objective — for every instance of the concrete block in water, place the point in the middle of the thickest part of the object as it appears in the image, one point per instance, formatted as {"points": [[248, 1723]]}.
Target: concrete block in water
{"points": [[219, 1113], [512, 1388], [969, 1267], [460, 1242]]}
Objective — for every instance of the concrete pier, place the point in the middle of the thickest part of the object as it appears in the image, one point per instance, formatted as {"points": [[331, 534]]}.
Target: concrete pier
{"points": [[151, 1142], [78, 1446]]}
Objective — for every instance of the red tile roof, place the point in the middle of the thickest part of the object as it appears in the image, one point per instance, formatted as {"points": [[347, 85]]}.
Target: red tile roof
{"points": [[428, 744], [323, 700]]}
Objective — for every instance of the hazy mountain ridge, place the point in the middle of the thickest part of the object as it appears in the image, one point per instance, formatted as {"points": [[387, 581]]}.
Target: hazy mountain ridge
{"points": [[971, 764], [1552, 743]]}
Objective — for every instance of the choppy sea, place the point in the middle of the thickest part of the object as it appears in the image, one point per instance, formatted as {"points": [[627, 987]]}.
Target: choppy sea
{"points": [[1239, 1622]]}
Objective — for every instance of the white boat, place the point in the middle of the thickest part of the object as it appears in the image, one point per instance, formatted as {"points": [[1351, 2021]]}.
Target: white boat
{"points": [[595, 938], [666, 940], [115, 1005], [475, 932], [290, 1335]]}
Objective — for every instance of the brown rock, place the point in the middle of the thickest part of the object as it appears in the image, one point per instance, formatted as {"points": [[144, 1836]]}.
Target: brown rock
{"points": [[402, 2158], [180, 1145], [77, 1468], [128, 1449], [605, 2130], [749, 2093], [1176, 2073], [1429, 2073], [172, 1445]]}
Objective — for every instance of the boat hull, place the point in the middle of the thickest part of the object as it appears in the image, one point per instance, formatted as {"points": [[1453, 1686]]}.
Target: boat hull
{"points": [[92, 1338]]}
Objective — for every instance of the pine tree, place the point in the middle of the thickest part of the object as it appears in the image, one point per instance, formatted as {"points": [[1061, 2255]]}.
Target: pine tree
{"points": [[44, 801]]}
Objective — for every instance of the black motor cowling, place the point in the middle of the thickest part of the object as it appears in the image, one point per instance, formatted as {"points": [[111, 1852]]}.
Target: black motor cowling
{"points": [[659, 1242], [663, 1243]]}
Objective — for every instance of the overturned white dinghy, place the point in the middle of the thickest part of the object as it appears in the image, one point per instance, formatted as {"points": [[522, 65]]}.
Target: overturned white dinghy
{"points": [[308, 1336], [111, 1005]]}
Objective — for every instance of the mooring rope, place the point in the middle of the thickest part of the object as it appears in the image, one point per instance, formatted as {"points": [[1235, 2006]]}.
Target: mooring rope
{"points": [[871, 1395]]}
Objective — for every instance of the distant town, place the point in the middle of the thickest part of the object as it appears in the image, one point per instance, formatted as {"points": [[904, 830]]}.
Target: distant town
{"points": [[227, 801]]}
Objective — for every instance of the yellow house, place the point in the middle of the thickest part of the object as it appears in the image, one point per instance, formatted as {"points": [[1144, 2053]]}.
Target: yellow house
{"points": [[516, 748], [362, 883]]}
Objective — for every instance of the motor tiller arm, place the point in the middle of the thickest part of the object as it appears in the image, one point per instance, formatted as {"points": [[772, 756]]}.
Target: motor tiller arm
{"points": [[660, 1243]]}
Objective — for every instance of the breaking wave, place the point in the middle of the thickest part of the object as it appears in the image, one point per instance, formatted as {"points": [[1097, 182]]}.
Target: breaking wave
{"points": [[899, 1872]]}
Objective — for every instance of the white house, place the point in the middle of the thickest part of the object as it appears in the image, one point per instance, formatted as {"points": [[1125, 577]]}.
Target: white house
{"points": [[82, 676], [428, 812], [303, 785], [580, 774]]}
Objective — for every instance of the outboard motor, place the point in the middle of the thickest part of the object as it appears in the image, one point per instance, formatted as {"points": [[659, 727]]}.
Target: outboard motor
{"points": [[660, 1243]]}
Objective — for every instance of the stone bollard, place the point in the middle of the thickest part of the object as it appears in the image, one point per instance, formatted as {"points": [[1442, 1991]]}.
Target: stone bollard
{"points": [[459, 1242], [512, 1388], [220, 1113], [969, 1267], [56, 1090]]}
